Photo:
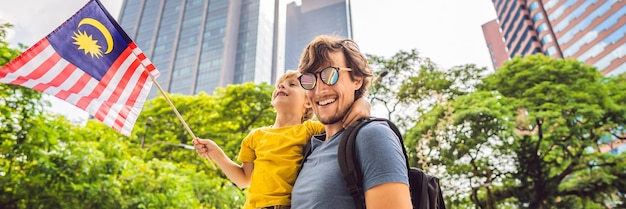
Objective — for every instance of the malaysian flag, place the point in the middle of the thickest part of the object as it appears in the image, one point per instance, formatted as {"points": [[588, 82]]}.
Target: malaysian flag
{"points": [[91, 63]]}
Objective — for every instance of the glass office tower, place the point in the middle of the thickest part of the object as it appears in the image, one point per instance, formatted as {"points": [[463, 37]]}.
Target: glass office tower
{"points": [[311, 18], [591, 31], [199, 45]]}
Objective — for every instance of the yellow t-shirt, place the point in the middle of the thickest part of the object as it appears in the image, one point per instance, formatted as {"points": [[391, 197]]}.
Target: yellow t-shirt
{"points": [[277, 155]]}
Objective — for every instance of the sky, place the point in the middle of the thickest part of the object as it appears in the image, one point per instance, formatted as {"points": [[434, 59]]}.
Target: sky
{"points": [[447, 31]]}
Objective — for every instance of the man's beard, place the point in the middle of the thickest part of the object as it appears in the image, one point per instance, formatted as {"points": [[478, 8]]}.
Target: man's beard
{"points": [[335, 118]]}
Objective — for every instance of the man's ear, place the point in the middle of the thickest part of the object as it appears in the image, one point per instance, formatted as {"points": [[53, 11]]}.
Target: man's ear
{"points": [[358, 82]]}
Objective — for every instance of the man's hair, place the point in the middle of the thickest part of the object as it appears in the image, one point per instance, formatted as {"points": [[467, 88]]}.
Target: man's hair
{"points": [[308, 114], [317, 55]]}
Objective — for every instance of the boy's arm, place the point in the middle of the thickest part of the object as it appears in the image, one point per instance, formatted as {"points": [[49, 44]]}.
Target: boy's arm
{"points": [[240, 175], [360, 109]]}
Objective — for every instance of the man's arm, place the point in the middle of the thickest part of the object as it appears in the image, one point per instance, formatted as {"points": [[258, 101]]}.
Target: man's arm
{"points": [[388, 195], [383, 166]]}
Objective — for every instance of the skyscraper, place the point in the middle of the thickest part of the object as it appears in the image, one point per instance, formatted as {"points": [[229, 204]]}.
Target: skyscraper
{"points": [[591, 31], [312, 18], [199, 45]]}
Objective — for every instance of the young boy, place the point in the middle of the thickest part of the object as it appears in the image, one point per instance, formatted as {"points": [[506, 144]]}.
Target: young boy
{"points": [[271, 156]]}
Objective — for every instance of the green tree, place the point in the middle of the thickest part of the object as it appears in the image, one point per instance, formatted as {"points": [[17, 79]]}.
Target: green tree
{"points": [[530, 136], [3, 29], [95, 167], [390, 75], [20, 112], [409, 86], [225, 117]]}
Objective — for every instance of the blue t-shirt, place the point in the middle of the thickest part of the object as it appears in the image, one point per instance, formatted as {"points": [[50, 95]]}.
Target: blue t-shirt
{"points": [[320, 185]]}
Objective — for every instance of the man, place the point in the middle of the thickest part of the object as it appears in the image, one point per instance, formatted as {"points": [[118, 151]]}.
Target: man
{"points": [[334, 75]]}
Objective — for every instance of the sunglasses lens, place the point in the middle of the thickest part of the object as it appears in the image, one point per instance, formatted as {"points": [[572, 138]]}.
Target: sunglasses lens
{"points": [[329, 76], [307, 81]]}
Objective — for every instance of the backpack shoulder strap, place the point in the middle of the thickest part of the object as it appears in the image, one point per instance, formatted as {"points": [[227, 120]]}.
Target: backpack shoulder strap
{"points": [[347, 159], [348, 162]]}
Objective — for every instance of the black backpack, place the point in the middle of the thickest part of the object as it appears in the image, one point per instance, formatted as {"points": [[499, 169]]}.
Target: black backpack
{"points": [[425, 189]]}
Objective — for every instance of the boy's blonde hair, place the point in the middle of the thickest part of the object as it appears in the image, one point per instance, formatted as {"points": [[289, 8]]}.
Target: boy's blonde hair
{"points": [[308, 114]]}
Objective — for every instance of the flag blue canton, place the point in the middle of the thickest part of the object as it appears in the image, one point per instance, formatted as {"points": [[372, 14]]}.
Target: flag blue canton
{"points": [[89, 40]]}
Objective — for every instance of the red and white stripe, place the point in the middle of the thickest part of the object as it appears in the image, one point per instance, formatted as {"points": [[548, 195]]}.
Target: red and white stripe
{"points": [[116, 100]]}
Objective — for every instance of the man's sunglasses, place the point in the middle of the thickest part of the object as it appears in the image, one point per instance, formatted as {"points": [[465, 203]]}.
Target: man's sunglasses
{"points": [[329, 76]]}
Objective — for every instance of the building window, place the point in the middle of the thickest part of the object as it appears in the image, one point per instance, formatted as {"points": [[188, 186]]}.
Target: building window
{"points": [[619, 70], [561, 9], [533, 6], [546, 39], [564, 23], [619, 52], [538, 16], [548, 5], [551, 51], [542, 27]]}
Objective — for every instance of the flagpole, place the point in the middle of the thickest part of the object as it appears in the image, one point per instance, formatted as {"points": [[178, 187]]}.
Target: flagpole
{"points": [[193, 136]]}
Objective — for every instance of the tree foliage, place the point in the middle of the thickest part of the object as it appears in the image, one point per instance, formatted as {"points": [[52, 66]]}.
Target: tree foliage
{"points": [[530, 136], [225, 117], [410, 86], [95, 167], [390, 73]]}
